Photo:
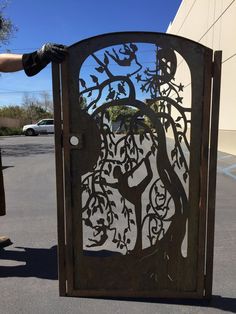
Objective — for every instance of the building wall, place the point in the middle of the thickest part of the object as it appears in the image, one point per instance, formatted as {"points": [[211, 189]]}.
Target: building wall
{"points": [[213, 24]]}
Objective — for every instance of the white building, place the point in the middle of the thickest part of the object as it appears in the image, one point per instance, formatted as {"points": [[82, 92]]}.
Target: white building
{"points": [[213, 24]]}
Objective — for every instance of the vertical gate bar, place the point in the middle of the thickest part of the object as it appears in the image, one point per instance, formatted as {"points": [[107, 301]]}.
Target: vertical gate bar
{"points": [[2, 191], [204, 170], [67, 177], [212, 171], [59, 178]]}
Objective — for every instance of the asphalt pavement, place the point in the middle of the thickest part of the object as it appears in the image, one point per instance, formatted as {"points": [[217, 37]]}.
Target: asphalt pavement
{"points": [[28, 268]]}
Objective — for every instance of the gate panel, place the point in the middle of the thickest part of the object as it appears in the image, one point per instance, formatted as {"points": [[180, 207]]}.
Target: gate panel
{"points": [[135, 171]]}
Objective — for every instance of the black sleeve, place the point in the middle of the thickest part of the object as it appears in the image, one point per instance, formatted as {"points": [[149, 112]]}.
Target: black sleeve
{"points": [[32, 64]]}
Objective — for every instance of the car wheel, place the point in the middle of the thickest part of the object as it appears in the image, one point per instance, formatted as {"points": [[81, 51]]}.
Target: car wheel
{"points": [[29, 132]]}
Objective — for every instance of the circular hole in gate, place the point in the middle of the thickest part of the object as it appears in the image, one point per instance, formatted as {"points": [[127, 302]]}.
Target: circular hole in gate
{"points": [[74, 140]]}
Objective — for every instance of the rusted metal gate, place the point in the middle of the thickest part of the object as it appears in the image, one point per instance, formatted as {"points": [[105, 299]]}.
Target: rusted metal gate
{"points": [[136, 119]]}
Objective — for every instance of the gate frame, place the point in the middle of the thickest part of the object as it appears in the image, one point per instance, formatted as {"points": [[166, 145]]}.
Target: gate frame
{"points": [[208, 184]]}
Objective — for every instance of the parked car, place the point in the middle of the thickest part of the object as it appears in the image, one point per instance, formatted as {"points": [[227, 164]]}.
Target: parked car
{"points": [[44, 126]]}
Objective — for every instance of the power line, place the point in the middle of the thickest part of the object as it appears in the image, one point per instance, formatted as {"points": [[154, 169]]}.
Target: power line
{"points": [[26, 92], [7, 50]]}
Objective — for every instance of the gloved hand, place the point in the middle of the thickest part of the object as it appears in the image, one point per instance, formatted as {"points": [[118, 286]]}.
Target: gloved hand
{"points": [[52, 53], [34, 62]]}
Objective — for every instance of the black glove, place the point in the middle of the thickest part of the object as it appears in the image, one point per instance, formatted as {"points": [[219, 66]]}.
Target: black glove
{"points": [[52, 53], [34, 62]]}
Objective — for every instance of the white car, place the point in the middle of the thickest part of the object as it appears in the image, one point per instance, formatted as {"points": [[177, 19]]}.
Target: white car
{"points": [[44, 126]]}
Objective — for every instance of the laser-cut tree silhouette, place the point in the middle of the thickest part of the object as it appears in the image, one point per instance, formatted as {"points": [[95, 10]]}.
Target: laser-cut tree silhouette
{"points": [[121, 156]]}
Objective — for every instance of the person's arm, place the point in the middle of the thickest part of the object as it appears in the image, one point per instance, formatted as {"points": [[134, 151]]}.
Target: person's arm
{"points": [[35, 61], [32, 63], [10, 62]]}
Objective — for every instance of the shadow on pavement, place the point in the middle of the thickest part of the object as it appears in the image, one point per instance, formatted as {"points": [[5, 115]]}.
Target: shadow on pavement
{"points": [[223, 303], [39, 263], [216, 302], [5, 167], [23, 150], [42, 263]]}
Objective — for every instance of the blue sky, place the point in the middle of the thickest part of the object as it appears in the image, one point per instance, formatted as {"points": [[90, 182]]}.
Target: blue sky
{"points": [[67, 22]]}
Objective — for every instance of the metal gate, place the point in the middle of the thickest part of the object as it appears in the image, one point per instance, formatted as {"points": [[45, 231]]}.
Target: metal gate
{"points": [[136, 141]]}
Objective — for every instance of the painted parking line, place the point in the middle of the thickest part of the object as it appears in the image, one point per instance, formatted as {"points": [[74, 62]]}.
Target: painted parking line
{"points": [[225, 157], [227, 171]]}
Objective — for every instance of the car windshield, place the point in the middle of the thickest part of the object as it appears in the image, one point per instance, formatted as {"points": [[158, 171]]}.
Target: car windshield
{"points": [[43, 122]]}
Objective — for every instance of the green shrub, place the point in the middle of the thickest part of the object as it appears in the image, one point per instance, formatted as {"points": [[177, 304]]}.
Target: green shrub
{"points": [[4, 131]]}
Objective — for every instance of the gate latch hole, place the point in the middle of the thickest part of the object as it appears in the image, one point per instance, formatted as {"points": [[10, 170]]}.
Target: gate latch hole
{"points": [[76, 141]]}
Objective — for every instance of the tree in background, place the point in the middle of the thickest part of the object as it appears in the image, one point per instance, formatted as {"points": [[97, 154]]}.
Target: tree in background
{"points": [[29, 114], [8, 28], [46, 102], [118, 113], [34, 109]]}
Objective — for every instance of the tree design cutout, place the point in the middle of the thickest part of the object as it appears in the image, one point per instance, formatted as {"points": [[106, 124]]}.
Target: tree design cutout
{"points": [[134, 200]]}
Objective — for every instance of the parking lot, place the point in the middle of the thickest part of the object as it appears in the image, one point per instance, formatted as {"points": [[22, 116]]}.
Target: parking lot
{"points": [[28, 268]]}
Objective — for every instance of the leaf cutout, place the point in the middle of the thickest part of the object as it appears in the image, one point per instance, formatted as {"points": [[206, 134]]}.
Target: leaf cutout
{"points": [[173, 153], [178, 125], [185, 175], [94, 78], [82, 82], [178, 119], [167, 124], [141, 138], [122, 150], [181, 161], [100, 69], [106, 60], [116, 216]]}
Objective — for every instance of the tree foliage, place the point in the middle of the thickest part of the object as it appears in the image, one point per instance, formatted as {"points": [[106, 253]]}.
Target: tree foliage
{"points": [[120, 112], [37, 108], [32, 109], [7, 27]]}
